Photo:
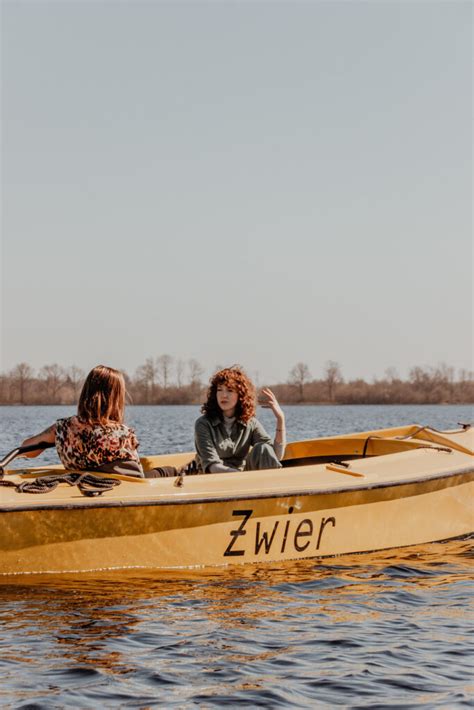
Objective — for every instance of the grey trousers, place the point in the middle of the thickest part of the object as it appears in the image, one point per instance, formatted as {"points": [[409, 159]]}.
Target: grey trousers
{"points": [[262, 456]]}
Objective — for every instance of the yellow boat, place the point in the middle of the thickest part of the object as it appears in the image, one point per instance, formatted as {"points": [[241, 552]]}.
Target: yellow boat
{"points": [[360, 492]]}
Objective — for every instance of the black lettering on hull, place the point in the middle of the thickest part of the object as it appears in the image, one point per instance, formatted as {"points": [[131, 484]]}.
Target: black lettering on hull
{"points": [[285, 534], [230, 552], [265, 540], [324, 522], [284, 537], [304, 529]]}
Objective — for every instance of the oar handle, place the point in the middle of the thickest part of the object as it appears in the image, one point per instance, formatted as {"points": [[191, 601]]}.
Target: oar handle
{"points": [[20, 450]]}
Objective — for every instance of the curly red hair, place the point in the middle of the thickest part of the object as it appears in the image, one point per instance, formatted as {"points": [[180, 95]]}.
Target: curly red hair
{"points": [[235, 379]]}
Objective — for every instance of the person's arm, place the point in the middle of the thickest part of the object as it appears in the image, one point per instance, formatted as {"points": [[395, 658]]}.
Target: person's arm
{"points": [[211, 462], [48, 436], [271, 402]]}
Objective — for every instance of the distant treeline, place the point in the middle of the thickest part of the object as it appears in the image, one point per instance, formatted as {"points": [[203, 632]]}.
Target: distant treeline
{"points": [[165, 380]]}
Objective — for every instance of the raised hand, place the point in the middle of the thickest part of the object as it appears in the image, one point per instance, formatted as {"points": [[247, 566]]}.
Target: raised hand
{"points": [[269, 401]]}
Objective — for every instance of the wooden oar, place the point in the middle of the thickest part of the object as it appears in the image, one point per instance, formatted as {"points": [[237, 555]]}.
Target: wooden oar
{"points": [[21, 450]]}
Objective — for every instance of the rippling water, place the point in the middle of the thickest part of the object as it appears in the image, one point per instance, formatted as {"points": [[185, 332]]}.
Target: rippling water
{"points": [[391, 629]]}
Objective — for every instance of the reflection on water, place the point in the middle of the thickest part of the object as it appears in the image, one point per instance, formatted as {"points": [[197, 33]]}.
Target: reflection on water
{"points": [[352, 630]]}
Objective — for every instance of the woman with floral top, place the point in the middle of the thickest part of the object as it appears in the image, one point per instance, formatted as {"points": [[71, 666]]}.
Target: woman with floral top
{"points": [[228, 436], [96, 439]]}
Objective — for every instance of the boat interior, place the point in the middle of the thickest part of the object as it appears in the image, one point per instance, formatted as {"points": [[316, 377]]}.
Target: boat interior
{"points": [[334, 451], [341, 449], [376, 443]]}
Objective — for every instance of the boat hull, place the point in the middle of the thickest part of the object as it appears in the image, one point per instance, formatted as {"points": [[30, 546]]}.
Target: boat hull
{"points": [[264, 527]]}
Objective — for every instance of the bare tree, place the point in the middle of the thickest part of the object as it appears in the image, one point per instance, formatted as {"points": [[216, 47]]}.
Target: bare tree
{"points": [[22, 375], [5, 389], [147, 375], [332, 378], [54, 385], [180, 367], [422, 382], [54, 379], [299, 376], [164, 364], [444, 378], [75, 377], [195, 372], [465, 376], [391, 375]]}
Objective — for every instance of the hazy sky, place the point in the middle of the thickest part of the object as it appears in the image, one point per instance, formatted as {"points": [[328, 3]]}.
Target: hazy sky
{"points": [[252, 182]]}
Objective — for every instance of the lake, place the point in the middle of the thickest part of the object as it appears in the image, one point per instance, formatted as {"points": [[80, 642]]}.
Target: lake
{"points": [[390, 629]]}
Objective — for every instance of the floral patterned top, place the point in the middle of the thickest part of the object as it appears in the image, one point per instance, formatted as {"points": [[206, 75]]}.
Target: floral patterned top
{"points": [[84, 446]]}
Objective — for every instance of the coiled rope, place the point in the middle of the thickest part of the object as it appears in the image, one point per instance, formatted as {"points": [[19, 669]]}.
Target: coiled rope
{"points": [[88, 484]]}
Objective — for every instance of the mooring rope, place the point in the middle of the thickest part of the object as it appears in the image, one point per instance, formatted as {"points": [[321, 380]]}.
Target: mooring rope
{"points": [[464, 426], [88, 484]]}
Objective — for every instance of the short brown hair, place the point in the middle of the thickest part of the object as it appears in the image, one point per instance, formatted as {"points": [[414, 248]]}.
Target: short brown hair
{"points": [[235, 379], [102, 399]]}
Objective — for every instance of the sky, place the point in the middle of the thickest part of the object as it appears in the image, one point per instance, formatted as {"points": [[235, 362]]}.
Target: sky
{"points": [[251, 182]]}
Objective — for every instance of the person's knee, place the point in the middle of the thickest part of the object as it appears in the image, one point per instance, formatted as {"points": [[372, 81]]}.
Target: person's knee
{"points": [[262, 456]]}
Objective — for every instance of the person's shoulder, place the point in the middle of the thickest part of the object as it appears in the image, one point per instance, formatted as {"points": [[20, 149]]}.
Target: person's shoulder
{"points": [[66, 421], [203, 420], [116, 431], [257, 425], [129, 430], [121, 425]]}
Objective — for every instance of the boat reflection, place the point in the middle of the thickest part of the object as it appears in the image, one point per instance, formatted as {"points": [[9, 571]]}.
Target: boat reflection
{"points": [[92, 620]]}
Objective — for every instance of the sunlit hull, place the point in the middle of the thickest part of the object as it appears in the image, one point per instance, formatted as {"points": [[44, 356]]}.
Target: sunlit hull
{"points": [[400, 493]]}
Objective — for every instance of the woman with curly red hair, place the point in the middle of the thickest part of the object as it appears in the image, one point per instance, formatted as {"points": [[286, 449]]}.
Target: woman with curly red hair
{"points": [[228, 436]]}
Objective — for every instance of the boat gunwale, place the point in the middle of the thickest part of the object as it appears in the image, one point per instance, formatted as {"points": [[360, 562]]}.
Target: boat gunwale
{"points": [[289, 493]]}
